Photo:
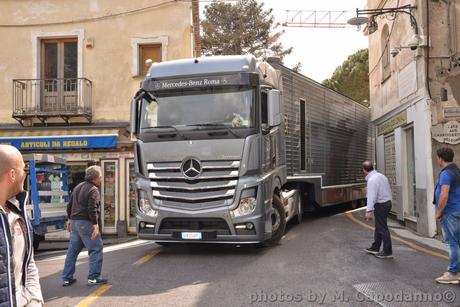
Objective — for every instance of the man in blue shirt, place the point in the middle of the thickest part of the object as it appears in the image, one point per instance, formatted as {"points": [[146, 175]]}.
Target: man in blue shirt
{"points": [[378, 202], [447, 201]]}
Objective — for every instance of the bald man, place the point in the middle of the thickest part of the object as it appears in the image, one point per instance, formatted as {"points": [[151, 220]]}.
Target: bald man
{"points": [[379, 203], [19, 280]]}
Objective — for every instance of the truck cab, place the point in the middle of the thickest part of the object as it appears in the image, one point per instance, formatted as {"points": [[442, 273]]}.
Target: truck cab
{"points": [[209, 152]]}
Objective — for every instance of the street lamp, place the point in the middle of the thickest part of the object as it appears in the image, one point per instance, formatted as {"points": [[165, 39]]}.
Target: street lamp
{"points": [[362, 17]]}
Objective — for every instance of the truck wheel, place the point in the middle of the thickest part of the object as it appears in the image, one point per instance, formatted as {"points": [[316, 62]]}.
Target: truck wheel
{"points": [[298, 200], [278, 217]]}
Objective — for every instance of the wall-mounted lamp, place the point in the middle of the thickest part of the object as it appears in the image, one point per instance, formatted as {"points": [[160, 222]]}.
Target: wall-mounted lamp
{"points": [[367, 16], [89, 42]]}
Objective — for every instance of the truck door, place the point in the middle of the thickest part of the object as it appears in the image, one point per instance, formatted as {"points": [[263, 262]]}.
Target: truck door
{"points": [[270, 138]]}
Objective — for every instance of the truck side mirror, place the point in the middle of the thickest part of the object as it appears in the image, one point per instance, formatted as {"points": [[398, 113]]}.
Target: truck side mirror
{"points": [[274, 108], [134, 117]]}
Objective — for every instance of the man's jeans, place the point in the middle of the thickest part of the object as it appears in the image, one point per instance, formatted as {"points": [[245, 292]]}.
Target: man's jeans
{"points": [[450, 226], [80, 236]]}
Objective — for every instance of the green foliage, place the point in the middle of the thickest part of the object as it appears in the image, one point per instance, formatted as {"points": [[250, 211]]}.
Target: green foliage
{"points": [[241, 28], [352, 77]]}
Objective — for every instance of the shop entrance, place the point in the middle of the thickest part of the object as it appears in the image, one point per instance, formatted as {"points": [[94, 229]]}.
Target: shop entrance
{"points": [[109, 198], [411, 205], [76, 173], [130, 197]]}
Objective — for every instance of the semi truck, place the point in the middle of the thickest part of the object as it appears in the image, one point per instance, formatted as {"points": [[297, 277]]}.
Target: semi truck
{"points": [[228, 149]]}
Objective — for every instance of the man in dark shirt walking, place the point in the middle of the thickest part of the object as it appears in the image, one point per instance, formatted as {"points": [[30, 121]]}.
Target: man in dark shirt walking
{"points": [[83, 213]]}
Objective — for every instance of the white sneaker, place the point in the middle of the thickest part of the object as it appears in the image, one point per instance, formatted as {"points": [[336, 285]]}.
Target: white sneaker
{"points": [[448, 278]]}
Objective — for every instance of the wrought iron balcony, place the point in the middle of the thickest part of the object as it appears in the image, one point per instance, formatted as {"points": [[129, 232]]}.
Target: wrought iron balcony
{"points": [[48, 100]]}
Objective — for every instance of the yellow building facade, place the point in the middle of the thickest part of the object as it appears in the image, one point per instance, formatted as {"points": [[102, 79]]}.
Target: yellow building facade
{"points": [[68, 74]]}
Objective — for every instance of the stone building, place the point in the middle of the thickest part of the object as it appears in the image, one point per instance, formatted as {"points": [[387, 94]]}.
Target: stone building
{"points": [[414, 94]]}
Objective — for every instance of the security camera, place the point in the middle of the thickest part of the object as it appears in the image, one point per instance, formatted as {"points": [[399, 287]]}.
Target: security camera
{"points": [[394, 51], [414, 42]]}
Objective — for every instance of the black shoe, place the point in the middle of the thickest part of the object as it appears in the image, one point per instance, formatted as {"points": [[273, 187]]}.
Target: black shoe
{"points": [[96, 281], [68, 282], [383, 255], [372, 251]]}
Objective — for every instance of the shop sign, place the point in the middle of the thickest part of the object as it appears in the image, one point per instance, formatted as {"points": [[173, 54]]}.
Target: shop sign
{"points": [[452, 112], [448, 133], [392, 123], [59, 143]]}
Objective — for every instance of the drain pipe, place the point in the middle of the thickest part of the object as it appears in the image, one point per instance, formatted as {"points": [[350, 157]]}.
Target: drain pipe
{"points": [[427, 60]]}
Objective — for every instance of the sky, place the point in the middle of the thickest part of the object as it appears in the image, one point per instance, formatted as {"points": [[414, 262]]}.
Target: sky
{"points": [[319, 50]]}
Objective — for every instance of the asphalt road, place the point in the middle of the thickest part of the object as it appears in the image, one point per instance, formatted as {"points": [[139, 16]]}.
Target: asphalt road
{"points": [[320, 262]]}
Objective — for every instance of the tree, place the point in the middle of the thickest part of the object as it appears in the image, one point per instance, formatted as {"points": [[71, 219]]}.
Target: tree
{"points": [[241, 28], [352, 77]]}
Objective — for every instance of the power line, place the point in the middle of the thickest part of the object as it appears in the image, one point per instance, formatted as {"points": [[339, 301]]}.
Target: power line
{"points": [[386, 43], [92, 19]]}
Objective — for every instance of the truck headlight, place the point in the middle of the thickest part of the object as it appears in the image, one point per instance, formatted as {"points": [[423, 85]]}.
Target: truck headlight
{"points": [[246, 206], [144, 204]]}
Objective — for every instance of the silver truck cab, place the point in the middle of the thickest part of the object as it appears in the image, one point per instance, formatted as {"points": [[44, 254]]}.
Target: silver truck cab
{"points": [[209, 152]]}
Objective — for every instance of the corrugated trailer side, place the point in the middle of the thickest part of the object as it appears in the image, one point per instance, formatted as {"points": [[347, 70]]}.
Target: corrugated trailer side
{"points": [[328, 137]]}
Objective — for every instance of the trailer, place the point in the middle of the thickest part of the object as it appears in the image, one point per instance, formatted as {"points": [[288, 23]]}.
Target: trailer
{"points": [[48, 194], [229, 149], [328, 136]]}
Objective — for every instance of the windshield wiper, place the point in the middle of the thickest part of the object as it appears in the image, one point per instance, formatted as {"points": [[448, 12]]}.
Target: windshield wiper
{"points": [[170, 127], [217, 125]]}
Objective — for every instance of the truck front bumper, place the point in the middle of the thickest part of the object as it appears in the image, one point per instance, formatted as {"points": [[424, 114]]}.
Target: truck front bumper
{"points": [[210, 226]]}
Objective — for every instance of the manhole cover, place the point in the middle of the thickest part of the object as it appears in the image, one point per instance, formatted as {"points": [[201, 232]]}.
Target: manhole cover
{"points": [[399, 294]]}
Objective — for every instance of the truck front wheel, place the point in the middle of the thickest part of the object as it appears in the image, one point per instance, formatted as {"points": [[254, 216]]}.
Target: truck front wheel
{"points": [[278, 218]]}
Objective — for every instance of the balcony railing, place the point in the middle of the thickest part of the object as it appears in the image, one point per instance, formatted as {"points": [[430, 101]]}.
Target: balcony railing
{"points": [[46, 100]]}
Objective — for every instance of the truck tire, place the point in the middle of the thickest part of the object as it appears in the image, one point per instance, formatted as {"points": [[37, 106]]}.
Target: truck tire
{"points": [[278, 222], [298, 218]]}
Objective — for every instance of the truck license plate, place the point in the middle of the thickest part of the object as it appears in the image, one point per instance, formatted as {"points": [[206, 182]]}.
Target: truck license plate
{"points": [[191, 235]]}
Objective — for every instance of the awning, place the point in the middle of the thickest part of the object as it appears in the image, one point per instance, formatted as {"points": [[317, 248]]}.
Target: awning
{"points": [[60, 139]]}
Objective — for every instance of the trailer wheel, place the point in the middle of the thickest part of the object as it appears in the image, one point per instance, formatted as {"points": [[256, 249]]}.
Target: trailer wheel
{"points": [[298, 218], [278, 218]]}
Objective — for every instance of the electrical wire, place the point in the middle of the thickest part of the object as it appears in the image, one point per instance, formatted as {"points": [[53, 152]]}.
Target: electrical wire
{"points": [[427, 60], [93, 18], [386, 43]]}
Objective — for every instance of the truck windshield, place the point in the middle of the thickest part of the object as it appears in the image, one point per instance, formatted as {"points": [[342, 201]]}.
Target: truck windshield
{"points": [[229, 108]]}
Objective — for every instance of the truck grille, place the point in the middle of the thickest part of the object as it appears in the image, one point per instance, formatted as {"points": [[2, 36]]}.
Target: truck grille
{"points": [[177, 225], [214, 187]]}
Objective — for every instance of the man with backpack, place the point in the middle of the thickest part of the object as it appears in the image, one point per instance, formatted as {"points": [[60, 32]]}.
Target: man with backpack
{"points": [[447, 201]]}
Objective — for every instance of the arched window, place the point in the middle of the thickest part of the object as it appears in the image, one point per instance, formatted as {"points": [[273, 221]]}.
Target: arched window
{"points": [[385, 49]]}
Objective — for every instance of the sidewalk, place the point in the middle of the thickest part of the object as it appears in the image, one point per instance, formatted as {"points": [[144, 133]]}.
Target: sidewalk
{"points": [[62, 244], [400, 231]]}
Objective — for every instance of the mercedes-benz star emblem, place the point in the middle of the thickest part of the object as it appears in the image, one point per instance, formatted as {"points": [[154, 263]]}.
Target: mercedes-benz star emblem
{"points": [[191, 168]]}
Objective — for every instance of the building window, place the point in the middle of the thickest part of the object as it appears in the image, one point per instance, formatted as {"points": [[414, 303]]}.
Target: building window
{"points": [[146, 52], [385, 48], [154, 48], [59, 59]]}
